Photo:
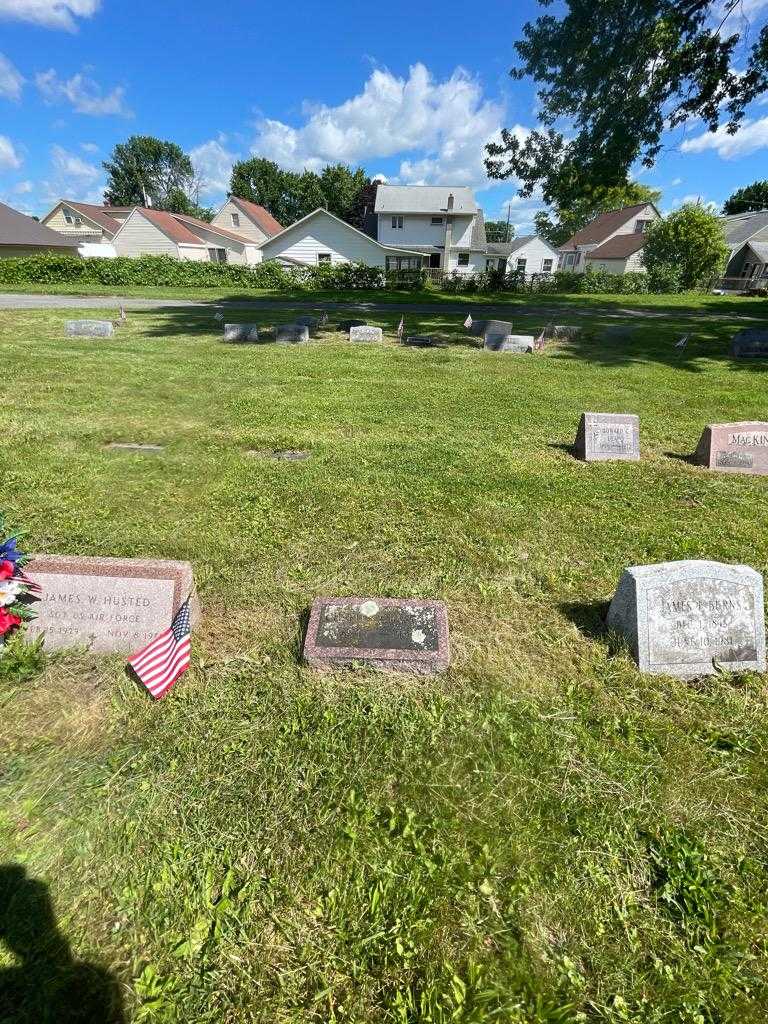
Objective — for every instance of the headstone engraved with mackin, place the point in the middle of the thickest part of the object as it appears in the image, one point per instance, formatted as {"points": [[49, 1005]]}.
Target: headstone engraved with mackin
{"points": [[402, 635], [734, 448], [89, 329], [241, 333], [687, 618], [107, 604], [608, 437]]}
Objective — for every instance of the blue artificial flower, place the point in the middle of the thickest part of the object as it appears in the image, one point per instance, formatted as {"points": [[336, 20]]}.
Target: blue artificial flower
{"points": [[9, 552]]}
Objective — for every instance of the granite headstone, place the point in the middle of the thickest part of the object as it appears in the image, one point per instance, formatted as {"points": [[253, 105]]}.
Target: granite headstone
{"points": [[480, 328], [408, 635], [366, 334], [686, 618], [608, 436], [291, 334], [751, 343], [107, 604], [517, 344], [734, 448], [241, 332], [90, 328]]}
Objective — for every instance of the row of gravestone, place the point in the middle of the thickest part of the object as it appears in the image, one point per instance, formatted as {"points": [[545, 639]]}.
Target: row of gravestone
{"points": [[729, 447], [684, 619]]}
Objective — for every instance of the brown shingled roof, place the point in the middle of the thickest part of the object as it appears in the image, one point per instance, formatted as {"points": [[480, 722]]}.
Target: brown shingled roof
{"points": [[603, 225], [262, 217], [99, 214], [19, 230], [171, 226], [195, 222], [619, 247]]}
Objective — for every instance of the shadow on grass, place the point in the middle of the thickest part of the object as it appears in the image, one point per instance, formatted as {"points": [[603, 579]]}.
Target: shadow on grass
{"points": [[47, 986], [588, 617]]}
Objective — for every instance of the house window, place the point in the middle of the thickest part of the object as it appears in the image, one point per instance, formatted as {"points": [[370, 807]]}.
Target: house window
{"points": [[490, 264], [641, 226], [404, 262], [521, 264], [437, 220], [68, 216], [463, 260], [235, 220], [323, 257], [217, 255], [546, 266], [397, 223]]}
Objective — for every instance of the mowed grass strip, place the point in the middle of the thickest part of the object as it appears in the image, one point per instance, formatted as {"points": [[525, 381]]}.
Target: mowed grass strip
{"points": [[540, 835]]}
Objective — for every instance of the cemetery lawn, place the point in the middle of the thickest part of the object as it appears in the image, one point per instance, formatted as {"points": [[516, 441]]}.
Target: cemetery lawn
{"points": [[539, 836]]}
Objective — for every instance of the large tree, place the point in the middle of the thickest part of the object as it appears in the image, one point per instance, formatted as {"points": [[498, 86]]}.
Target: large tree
{"points": [[689, 241], [745, 200], [145, 171], [613, 76], [499, 231], [289, 196], [563, 222]]}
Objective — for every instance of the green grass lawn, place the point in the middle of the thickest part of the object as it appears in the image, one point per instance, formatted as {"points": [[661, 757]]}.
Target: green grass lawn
{"points": [[540, 835]]}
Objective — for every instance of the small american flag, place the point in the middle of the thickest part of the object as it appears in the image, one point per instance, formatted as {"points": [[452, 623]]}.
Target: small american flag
{"points": [[683, 341], [167, 657], [218, 316], [401, 328], [468, 321]]}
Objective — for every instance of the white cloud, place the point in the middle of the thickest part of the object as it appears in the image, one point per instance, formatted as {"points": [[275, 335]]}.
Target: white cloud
{"points": [[213, 165], [23, 188], [11, 81], [49, 13], [83, 93], [752, 135], [521, 213], [445, 124], [73, 166], [89, 147], [676, 181], [9, 158], [697, 199], [71, 177]]}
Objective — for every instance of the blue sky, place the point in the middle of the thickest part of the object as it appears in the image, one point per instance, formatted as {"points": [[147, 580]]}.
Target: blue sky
{"points": [[411, 91]]}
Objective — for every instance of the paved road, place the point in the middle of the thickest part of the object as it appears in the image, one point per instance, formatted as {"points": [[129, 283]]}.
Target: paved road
{"points": [[568, 310]]}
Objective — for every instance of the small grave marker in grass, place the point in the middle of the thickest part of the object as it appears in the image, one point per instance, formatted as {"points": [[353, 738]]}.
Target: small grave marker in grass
{"points": [[144, 449], [403, 635], [751, 343], [517, 344], [686, 618], [366, 333], [241, 332], [607, 437], [291, 334], [280, 454], [90, 329], [734, 448]]}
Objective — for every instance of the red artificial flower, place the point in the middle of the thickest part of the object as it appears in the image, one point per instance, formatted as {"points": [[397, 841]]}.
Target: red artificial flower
{"points": [[8, 621], [7, 569]]}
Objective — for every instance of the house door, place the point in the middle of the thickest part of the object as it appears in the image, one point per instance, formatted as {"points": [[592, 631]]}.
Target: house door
{"points": [[434, 261]]}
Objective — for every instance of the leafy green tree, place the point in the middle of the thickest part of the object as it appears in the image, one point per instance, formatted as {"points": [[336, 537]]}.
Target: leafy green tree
{"points": [[499, 231], [619, 73], [562, 222], [745, 200], [146, 171], [289, 196], [691, 241]]}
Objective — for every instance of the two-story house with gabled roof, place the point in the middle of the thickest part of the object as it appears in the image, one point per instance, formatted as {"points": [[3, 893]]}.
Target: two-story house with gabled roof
{"points": [[746, 235], [613, 241]]}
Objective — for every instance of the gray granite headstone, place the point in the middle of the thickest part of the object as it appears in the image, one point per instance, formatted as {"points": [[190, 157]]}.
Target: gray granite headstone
{"points": [[420, 341], [241, 332], [314, 323], [291, 334], [107, 604], [686, 618], [734, 447], [608, 436], [366, 334], [517, 344], [90, 328], [480, 328], [751, 343], [408, 635]]}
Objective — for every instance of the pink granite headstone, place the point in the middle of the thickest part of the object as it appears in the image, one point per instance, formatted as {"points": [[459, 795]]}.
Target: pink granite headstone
{"points": [[734, 448]]}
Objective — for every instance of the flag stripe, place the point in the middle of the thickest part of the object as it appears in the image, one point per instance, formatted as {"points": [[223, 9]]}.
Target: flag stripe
{"points": [[168, 665], [159, 647], [167, 657], [151, 646]]}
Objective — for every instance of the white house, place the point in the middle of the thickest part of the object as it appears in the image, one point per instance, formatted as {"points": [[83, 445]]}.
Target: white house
{"points": [[93, 227], [155, 232], [248, 219], [528, 254], [613, 241], [321, 237], [746, 235]]}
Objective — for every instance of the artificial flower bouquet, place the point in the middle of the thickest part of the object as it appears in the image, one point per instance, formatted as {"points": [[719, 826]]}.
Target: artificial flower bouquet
{"points": [[16, 590]]}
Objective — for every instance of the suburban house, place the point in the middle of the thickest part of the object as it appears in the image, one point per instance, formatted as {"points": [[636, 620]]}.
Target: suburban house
{"points": [[321, 237], [746, 235], [443, 229], [136, 231], [248, 219], [23, 236], [613, 241]]}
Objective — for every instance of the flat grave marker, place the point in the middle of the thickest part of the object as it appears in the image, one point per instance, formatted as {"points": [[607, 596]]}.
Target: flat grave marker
{"points": [[401, 635], [686, 618], [107, 604], [144, 449], [291, 334], [420, 341], [751, 343], [89, 329], [608, 437], [241, 332], [734, 448], [366, 333]]}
